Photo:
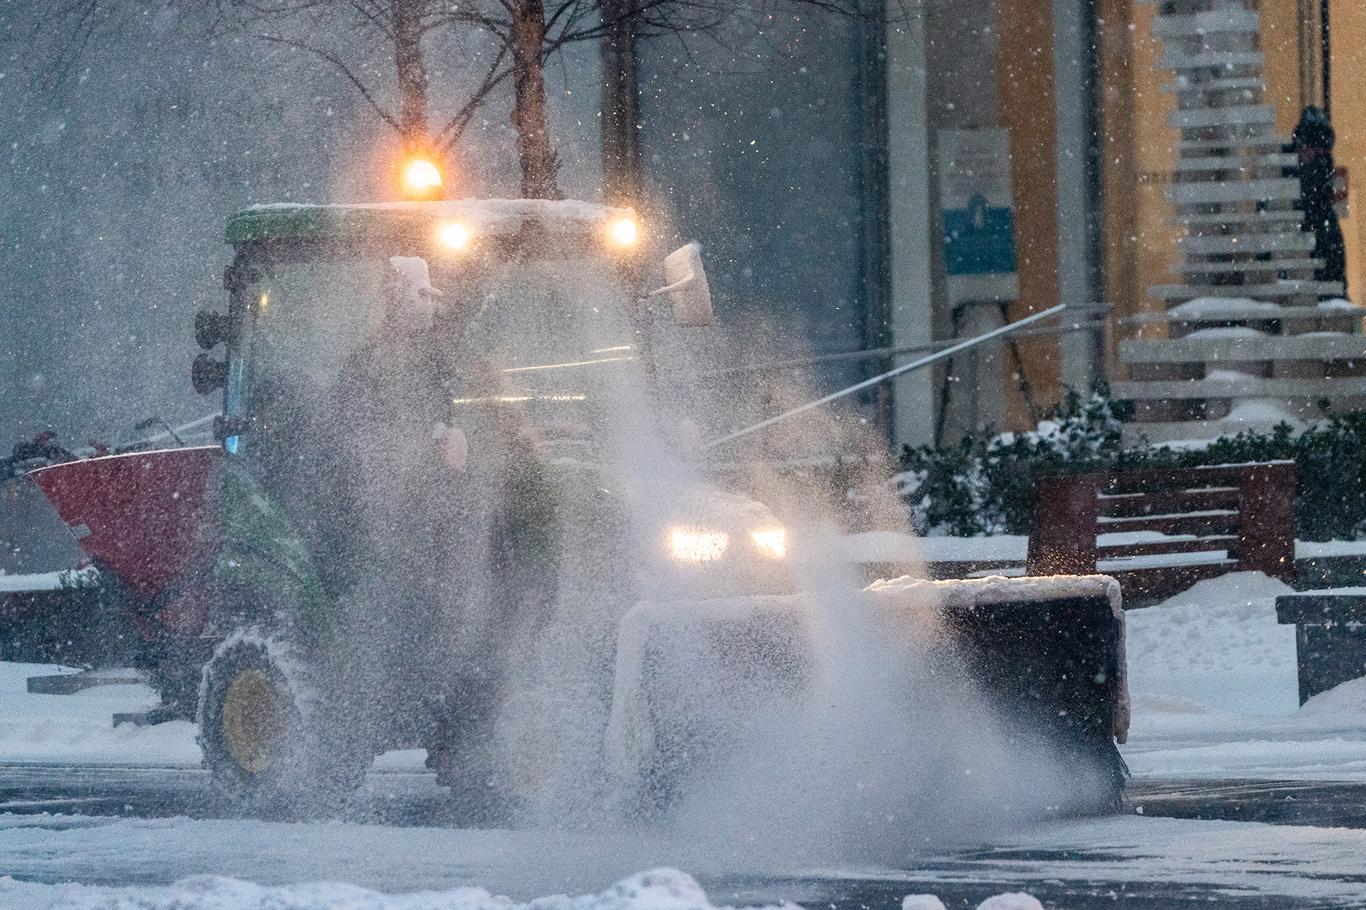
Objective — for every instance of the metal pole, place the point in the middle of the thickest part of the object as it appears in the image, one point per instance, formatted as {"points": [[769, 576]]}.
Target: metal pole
{"points": [[1326, 54], [1087, 324], [890, 374]]}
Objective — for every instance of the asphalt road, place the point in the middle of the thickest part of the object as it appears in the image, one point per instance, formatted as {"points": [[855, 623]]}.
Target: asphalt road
{"points": [[409, 799]]}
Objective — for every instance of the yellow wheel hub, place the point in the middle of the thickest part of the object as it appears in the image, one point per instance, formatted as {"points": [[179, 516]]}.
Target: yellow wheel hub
{"points": [[253, 720]]}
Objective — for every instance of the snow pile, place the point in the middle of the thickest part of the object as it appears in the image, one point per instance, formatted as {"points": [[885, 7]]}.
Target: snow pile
{"points": [[79, 727], [657, 889], [1261, 410], [1213, 679], [1016, 900], [1346, 702], [88, 577], [921, 902], [1219, 644], [1223, 308], [995, 589]]}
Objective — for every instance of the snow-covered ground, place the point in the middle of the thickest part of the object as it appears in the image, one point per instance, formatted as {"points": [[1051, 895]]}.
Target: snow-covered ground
{"points": [[1215, 692], [131, 864], [1212, 674], [78, 728], [1213, 678]]}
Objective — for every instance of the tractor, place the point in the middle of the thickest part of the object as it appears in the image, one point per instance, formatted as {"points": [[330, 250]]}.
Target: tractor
{"points": [[452, 507]]}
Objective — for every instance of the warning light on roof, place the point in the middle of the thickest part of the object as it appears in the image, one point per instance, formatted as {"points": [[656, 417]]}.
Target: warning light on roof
{"points": [[421, 178], [625, 231], [454, 236]]}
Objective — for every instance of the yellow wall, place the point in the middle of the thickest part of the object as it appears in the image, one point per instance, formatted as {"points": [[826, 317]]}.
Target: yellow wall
{"points": [[1137, 144], [1280, 42], [1024, 79], [1349, 109]]}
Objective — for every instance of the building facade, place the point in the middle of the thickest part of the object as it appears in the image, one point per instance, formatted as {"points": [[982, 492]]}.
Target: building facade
{"points": [[885, 183]]}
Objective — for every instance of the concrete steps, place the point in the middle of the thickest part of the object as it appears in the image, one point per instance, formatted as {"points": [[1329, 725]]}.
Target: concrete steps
{"points": [[1271, 353]]}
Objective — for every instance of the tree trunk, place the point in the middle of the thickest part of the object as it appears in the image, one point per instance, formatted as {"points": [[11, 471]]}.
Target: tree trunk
{"points": [[412, 73], [540, 165], [620, 104]]}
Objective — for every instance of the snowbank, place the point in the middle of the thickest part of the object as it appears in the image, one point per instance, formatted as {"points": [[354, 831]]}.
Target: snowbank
{"points": [[384, 866], [49, 581], [1218, 644], [657, 889], [79, 728], [1017, 900], [1215, 694]]}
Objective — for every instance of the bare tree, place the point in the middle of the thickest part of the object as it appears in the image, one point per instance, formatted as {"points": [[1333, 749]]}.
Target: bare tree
{"points": [[522, 36]]}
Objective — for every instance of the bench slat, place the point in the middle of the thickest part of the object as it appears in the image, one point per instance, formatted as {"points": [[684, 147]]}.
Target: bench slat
{"points": [[1165, 481], [1136, 505], [1159, 547], [1208, 521], [1222, 521]]}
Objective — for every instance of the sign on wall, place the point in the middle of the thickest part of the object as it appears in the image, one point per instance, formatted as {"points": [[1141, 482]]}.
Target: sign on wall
{"points": [[978, 214]]}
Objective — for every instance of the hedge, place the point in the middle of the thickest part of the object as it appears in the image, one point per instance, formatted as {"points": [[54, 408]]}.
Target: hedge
{"points": [[986, 483]]}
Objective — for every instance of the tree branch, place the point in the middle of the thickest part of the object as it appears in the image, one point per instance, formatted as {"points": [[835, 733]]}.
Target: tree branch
{"points": [[462, 119], [342, 68]]}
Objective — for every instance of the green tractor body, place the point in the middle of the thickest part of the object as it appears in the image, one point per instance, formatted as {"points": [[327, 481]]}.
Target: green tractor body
{"points": [[453, 509]]}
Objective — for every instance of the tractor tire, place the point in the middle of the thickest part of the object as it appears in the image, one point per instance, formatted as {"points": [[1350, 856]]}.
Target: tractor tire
{"points": [[269, 739]]}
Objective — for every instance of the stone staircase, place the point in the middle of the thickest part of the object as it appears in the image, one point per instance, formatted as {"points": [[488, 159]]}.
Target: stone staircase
{"points": [[1248, 336]]}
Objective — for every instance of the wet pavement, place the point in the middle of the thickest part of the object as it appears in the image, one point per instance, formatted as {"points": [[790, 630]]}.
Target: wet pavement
{"points": [[962, 878]]}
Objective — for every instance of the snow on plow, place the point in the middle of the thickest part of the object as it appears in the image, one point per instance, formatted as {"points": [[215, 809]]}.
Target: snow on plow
{"points": [[1044, 656]]}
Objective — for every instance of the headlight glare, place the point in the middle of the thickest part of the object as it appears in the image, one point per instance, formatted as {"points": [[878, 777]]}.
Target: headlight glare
{"points": [[454, 236], [697, 544], [771, 542], [625, 231]]}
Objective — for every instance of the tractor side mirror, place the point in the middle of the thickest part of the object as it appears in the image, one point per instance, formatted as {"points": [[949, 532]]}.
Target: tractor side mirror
{"points": [[211, 329], [687, 287], [207, 374]]}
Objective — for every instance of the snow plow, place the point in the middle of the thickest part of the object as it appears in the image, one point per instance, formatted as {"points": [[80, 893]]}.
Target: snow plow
{"points": [[452, 507]]}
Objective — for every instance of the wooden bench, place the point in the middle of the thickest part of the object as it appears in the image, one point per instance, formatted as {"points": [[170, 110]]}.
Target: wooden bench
{"points": [[1192, 524]]}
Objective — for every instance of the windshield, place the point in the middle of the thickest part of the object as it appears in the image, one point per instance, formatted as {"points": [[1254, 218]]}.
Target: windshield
{"points": [[548, 339], [546, 344]]}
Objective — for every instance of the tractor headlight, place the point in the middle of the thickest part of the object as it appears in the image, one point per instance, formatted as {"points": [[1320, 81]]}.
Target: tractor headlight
{"points": [[624, 232], [696, 544], [454, 236], [770, 542]]}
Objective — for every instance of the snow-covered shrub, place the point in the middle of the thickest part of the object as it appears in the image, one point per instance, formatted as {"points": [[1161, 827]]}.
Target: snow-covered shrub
{"points": [[985, 484]]}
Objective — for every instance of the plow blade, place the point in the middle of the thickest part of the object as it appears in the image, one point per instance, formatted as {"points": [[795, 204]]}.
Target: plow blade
{"points": [[1045, 656]]}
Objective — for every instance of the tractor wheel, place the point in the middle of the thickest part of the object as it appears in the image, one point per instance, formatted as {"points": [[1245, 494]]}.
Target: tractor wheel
{"points": [[268, 739]]}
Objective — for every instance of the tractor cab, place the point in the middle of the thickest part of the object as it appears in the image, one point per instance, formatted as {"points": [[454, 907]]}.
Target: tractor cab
{"points": [[528, 314]]}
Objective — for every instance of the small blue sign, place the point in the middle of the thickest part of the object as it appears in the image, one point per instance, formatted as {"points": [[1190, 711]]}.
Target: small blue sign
{"points": [[980, 239]]}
